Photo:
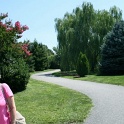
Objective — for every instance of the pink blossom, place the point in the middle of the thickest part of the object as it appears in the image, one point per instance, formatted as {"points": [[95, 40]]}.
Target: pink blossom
{"points": [[25, 27], [9, 29], [3, 25], [25, 49], [17, 25], [28, 53], [20, 31]]}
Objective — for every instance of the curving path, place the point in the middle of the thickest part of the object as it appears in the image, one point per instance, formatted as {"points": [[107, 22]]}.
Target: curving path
{"points": [[108, 99]]}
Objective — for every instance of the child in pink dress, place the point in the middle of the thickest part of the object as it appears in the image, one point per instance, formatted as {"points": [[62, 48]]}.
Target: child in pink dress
{"points": [[7, 98]]}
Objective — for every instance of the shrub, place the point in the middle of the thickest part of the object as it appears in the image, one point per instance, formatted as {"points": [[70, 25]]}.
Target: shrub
{"points": [[15, 73], [82, 65]]}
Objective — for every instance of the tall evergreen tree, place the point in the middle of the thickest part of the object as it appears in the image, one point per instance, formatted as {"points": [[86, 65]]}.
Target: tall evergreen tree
{"points": [[39, 55], [112, 51]]}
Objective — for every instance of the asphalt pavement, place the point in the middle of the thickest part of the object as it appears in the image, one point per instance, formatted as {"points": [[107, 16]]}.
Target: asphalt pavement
{"points": [[108, 100]]}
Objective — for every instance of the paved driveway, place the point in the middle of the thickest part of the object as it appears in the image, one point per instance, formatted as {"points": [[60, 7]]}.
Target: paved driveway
{"points": [[108, 99]]}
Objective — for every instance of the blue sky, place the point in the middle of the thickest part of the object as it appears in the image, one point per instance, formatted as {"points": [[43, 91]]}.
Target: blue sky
{"points": [[39, 15]]}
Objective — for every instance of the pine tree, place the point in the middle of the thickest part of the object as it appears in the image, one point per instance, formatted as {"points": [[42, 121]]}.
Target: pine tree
{"points": [[112, 51], [39, 56]]}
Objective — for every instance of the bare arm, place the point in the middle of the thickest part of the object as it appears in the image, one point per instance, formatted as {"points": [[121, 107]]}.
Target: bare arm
{"points": [[12, 109]]}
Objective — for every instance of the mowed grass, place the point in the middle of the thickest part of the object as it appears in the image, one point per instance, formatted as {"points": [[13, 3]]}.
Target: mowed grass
{"points": [[115, 80], [45, 103]]}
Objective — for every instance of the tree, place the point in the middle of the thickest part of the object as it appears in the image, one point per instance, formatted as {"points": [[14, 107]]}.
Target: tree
{"points": [[11, 55], [73, 33], [83, 31], [55, 59], [103, 23], [39, 55], [63, 26], [112, 51]]}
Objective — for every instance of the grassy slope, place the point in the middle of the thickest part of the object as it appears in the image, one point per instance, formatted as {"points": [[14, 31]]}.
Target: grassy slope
{"points": [[44, 103]]}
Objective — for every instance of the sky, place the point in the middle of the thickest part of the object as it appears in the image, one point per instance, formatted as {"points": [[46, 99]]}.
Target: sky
{"points": [[39, 15]]}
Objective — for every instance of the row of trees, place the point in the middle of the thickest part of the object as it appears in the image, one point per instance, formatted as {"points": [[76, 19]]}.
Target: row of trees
{"points": [[83, 30], [42, 58], [112, 54], [80, 36]]}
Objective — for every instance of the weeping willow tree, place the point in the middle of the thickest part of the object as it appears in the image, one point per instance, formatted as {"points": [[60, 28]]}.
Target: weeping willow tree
{"points": [[65, 31], [84, 21], [73, 32]]}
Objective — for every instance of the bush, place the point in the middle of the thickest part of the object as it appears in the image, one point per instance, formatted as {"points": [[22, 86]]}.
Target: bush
{"points": [[82, 65], [15, 73]]}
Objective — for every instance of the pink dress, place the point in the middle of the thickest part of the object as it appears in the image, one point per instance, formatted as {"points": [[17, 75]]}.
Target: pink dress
{"points": [[4, 117]]}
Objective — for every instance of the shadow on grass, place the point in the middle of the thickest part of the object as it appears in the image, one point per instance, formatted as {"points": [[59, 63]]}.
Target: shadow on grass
{"points": [[65, 73]]}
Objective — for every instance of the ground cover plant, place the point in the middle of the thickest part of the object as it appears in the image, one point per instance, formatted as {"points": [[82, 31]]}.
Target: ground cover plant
{"points": [[45, 103], [115, 80]]}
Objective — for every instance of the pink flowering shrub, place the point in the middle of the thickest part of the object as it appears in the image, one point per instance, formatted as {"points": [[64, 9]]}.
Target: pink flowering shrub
{"points": [[13, 67]]}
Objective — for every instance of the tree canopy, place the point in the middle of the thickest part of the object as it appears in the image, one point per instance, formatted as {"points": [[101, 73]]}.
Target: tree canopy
{"points": [[83, 31]]}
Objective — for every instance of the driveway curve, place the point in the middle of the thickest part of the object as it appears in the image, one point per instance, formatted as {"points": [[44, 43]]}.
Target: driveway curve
{"points": [[108, 99]]}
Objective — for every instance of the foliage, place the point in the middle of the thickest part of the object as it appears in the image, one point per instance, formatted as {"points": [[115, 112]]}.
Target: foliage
{"points": [[30, 62], [82, 65], [112, 54], [83, 31], [54, 59], [12, 54], [28, 57], [15, 73], [39, 56]]}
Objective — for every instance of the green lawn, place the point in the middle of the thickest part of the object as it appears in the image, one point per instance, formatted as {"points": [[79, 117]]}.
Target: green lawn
{"points": [[115, 80], [45, 103]]}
